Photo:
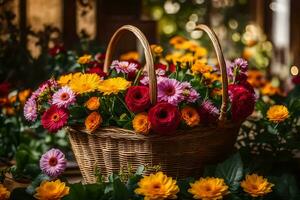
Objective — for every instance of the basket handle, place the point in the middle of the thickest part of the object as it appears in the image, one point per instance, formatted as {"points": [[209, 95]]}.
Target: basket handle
{"points": [[214, 39], [147, 51]]}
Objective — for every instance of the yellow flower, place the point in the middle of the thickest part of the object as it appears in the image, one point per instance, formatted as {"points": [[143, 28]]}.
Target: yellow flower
{"points": [[65, 79], [23, 95], [190, 116], [4, 193], [157, 49], [93, 103], [113, 85], [84, 59], [82, 83], [209, 189], [131, 55], [211, 77], [177, 40], [93, 121], [51, 190], [141, 123], [200, 52], [256, 185], [277, 113], [186, 59], [157, 187], [174, 57], [200, 67]]}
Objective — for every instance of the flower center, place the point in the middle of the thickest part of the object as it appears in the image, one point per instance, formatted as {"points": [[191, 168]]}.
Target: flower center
{"points": [[208, 188], [64, 96], [162, 114], [53, 161], [156, 186], [170, 91], [55, 117], [137, 95], [254, 187]]}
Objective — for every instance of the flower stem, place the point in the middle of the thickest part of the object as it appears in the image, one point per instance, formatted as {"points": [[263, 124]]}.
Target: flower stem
{"points": [[124, 104], [137, 77]]}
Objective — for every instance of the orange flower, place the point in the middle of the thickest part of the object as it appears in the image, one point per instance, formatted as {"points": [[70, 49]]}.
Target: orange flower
{"points": [[93, 121], [23, 95], [200, 67], [93, 103], [131, 55], [216, 92], [256, 78], [157, 49], [270, 90], [12, 99], [177, 40], [141, 123], [190, 116], [9, 110]]}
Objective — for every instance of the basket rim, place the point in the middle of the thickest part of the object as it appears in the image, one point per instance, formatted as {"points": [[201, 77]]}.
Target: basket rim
{"points": [[121, 133]]}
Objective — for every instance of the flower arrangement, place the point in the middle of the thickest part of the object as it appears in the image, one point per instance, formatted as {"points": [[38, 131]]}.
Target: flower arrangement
{"points": [[188, 93]]}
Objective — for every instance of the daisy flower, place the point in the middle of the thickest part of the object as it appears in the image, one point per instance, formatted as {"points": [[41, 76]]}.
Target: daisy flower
{"points": [[53, 162], [124, 66], [30, 110], [54, 118], [191, 95], [170, 90], [63, 97]]}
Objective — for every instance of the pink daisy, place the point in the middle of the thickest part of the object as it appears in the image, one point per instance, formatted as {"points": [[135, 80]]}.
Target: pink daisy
{"points": [[53, 163], [54, 118], [191, 95], [30, 110], [63, 97], [208, 112], [124, 66], [169, 90]]}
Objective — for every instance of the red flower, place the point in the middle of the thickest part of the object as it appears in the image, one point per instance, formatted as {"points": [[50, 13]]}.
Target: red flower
{"points": [[160, 66], [57, 49], [96, 70], [172, 68], [54, 118], [164, 118], [296, 80], [137, 98], [242, 102], [4, 89]]}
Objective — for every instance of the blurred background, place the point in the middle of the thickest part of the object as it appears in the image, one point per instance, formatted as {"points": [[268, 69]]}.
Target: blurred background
{"points": [[265, 32]]}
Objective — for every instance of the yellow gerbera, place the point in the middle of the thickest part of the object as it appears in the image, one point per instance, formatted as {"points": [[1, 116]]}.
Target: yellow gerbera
{"points": [[141, 123], [131, 55], [277, 113], [65, 79], [113, 85], [157, 187], [200, 67], [209, 189], [51, 190], [256, 185], [82, 83], [84, 59], [4, 193]]}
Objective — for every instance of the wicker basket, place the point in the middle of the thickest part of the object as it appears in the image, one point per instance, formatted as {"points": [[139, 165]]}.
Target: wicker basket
{"points": [[182, 154]]}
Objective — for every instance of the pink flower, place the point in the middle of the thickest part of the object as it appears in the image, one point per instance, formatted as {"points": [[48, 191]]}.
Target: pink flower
{"points": [[191, 95], [208, 112], [124, 66], [30, 110], [169, 90], [159, 73], [63, 97], [54, 118], [53, 163]]}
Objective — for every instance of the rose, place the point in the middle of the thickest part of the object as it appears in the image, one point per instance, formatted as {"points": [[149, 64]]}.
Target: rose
{"points": [[242, 102], [164, 118], [137, 98]]}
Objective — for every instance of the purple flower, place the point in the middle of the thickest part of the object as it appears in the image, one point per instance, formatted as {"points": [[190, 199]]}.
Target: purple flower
{"points": [[241, 64], [159, 73], [229, 69], [53, 163], [191, 95], [30, 110], [208, 112], [124, 66], [169, 90], [63, 97]]}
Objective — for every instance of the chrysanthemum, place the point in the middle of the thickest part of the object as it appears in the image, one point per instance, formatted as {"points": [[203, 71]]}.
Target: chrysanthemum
{"points": [[30, 110], [51, 190], [157, 187], [54, 118], [124, 66], [209, 189], [113, 85], [190, 94], [256, 185], [208, 112], [53, 162], [170, 90], [82, 83], [63, 97]]}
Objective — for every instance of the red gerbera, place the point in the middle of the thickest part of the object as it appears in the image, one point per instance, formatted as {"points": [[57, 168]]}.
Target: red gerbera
{"points": [[54, 118], [137, 98], [164, 118]]}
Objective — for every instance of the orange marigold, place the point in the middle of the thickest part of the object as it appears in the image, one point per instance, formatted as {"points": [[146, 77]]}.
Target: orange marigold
{"points": [[93, 103], [190, 116], [141, 123], [256, 185], [93, 121]]}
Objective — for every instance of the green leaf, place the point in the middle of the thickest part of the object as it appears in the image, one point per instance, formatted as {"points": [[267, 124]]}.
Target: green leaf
{"points": [[140, 170], [120, 191], [231, 170], [286, 187], [77, 191], [20, 193], [21, 159]]}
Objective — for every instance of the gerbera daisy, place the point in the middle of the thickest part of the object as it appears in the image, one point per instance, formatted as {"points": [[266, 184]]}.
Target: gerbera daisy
{"points": [[113, 85], [63, 97], [82, 83], [54, 118], [170, 90], [124, 66], [30, 110], [53, 162]]}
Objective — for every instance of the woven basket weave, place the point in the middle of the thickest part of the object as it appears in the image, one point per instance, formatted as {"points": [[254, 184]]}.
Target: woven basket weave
{"points": [[181, 154]]}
